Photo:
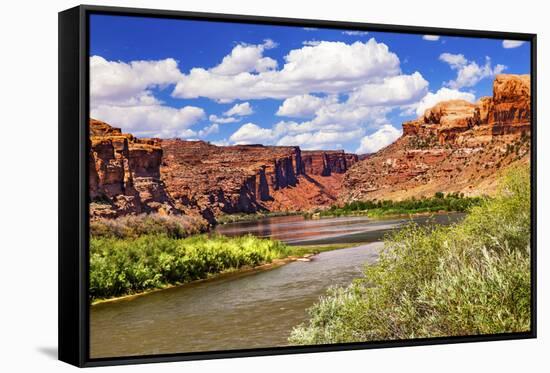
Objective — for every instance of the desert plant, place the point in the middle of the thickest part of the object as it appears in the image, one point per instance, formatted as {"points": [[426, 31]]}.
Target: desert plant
{"points": [[470, 278], [133, 226]]}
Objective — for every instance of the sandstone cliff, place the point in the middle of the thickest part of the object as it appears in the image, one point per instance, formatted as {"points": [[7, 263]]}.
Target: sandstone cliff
{"points": [[131, 176], [456, 146], [124, 174], [325, 163], [249, 178]]}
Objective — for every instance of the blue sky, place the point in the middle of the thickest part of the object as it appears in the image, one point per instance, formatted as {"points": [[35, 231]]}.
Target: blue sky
{"points": [[233, 83]]}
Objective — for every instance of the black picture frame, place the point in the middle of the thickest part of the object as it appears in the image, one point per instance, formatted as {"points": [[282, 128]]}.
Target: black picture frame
{"points": [[73, 184]]}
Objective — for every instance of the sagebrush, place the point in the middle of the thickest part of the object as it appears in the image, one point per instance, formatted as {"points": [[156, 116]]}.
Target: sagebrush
{"points": [[133, 226], [467, 279]]}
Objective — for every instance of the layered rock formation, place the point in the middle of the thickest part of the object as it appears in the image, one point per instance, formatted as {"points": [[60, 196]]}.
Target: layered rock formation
{"points": [[124, 174], [131, 176], [248, 178], [456, 146], [325, 163]]}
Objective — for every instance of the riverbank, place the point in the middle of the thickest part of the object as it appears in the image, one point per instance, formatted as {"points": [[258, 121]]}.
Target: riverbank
{"points": [[234, 272], [439, 203], [467, 279], [126, 268], [452, 202]]}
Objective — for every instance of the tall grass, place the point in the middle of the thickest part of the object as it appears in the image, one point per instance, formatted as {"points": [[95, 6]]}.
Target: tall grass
{"points": [[471, 278], [120, 266]]}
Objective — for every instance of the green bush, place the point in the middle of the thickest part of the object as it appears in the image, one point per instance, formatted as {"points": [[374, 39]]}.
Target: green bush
{"points": [[439, 202], [470, 278], [120, 266]]}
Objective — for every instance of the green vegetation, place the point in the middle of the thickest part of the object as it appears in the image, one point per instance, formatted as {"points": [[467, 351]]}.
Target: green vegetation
{"points": [[121, 266], [241, 217], [439, 202], [133, 254], [470, 278], [134, 226]]}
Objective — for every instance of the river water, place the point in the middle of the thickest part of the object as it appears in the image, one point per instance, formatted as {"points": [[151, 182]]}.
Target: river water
{"points": [[247, 310]]}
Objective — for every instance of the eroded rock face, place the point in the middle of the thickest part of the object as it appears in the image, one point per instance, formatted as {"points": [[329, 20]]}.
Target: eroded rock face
{"points": [[456, 146], [247, 178], [124, 174], [131, 176], [508, 111], [327, 162]]}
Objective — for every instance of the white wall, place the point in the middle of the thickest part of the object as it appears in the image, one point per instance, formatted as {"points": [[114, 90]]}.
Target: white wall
{"points": [[28, 184]]}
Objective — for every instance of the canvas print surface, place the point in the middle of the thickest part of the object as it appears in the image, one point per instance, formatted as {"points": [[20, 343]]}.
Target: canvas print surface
{"points": [[258, 186]]}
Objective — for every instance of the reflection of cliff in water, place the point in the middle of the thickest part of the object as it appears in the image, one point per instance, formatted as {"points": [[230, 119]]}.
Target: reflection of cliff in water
{"points": [[296, 230]]}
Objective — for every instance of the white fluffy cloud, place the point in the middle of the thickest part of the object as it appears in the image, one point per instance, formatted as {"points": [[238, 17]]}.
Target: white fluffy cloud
{"points": [[456, 61], [302, 106], [232, 115], [443, 94], [121, 94], [151, 120], [222, 120], [113, 82], [240, 110], [374, 87], [333, 123], [251, 133], [379, 139], [327, 67], [323, 139], [469, 73], [247, 58], [396, 90], [209, 130], [512, 43], [431, 37]]}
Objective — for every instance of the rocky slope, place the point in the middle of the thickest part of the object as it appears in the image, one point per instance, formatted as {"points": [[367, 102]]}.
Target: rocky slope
{"points": [[124, 174], [456, 146]]}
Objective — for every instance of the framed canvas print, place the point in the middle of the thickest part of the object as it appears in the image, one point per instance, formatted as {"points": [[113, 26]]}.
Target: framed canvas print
{"points": [[239, 186]]}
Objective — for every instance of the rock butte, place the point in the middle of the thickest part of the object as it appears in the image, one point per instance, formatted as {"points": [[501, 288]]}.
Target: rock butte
{"points": [[456, 146], [124, 174]]}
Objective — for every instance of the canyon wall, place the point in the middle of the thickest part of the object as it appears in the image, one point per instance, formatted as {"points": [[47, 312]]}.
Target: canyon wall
{"points": [[131, 176], [325, 163], [249, 178], [124, 174], [456, 146]]}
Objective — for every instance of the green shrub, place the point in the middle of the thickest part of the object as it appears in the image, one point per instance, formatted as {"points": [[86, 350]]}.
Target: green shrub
{"points": [[439, 202], [470, 278], [129, 265]]}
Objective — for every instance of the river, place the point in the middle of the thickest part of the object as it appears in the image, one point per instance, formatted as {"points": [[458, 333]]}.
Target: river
{"points": [[246, 310]]}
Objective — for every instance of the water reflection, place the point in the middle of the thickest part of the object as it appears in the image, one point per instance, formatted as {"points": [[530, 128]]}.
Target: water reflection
{"points": [[296, 230]]}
